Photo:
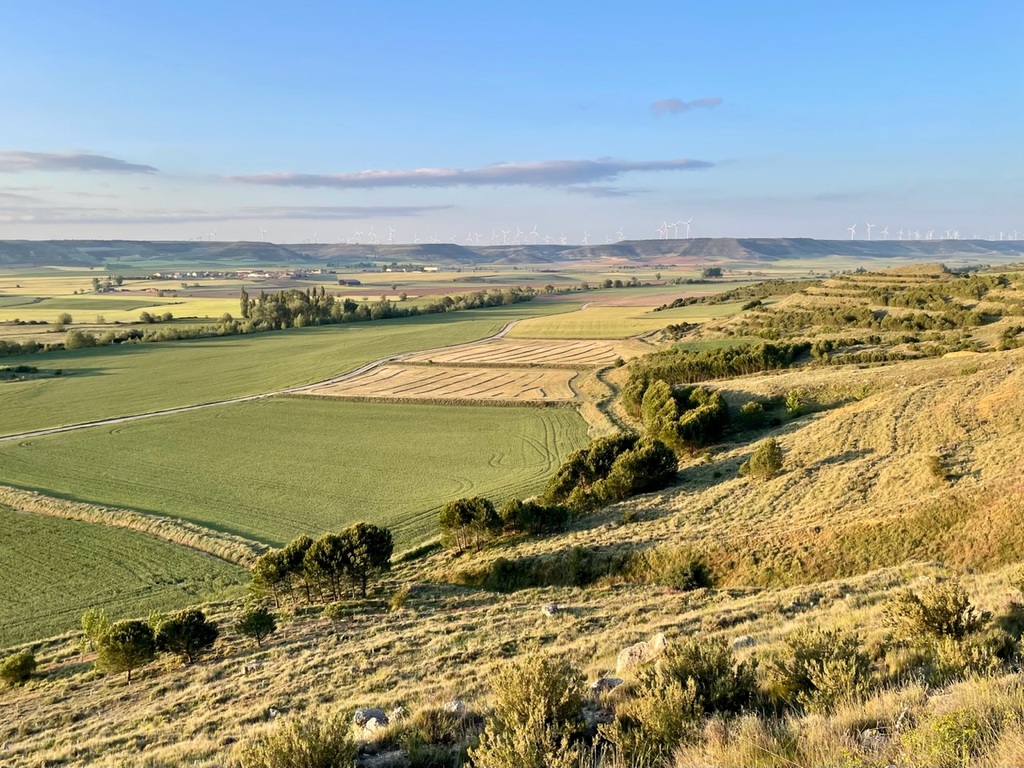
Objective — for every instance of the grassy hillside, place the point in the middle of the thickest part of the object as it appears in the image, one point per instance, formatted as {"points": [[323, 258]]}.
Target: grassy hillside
{"points": [[273, 469], [56, 569]]}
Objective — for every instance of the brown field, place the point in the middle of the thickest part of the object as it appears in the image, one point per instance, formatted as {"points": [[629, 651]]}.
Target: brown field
{"points": [[562, 353], [420, 382]]}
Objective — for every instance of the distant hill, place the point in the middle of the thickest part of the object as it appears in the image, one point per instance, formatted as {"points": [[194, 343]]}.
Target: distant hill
{"points": [[698, 250]]}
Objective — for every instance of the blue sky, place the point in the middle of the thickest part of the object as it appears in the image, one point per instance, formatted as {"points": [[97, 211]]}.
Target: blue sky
{"points": [[179, 119]]}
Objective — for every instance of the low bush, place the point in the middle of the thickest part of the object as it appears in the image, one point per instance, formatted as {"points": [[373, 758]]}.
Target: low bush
{"points": [[537, 716], [692, 679], [531, 517], [820, 669], [17, 668], [766, 461], [942, 609], [304, 742], [673, 566]]}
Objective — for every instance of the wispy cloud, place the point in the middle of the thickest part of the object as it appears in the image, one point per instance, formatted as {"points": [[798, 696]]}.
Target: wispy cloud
{"points": [[71, 215], [597, 190], [551, 173], [676, 106], [12, 197], [15, 161]]}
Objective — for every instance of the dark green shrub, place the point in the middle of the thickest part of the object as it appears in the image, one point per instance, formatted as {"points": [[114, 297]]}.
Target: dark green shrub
{"points": [[752, 414], [468, 521], [304, 742], [17, 668], [649, 466], [188, 633], [585, 467], [126, 646], [766, 461], [256, 623], [531, 517], [719, 684]]}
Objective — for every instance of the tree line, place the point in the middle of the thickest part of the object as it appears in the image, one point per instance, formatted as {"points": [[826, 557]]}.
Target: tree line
{"points": [[324, 570], [314, 306]]}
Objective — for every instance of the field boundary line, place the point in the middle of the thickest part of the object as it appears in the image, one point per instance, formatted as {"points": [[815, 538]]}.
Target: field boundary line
{"points": [[225, 546]]}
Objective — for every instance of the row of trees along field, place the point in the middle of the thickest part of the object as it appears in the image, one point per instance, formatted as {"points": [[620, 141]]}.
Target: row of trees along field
{"points": [[325, 569], [295, 308]]}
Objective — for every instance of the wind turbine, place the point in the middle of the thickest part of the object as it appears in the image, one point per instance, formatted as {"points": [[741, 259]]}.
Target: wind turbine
{"points": [[415, 238], [586, 238], [885, 232], [619, 235], [504, 236], [561, 239], [687, 223], [494, 236], [477, 234], [469, 239], [534, 233], [853, 231], [391, 234], [901, 233], [263, 234], [947, 234], [869, 230], [675, 228], [929, 235], [358, 236], [372, 236], [519, 236], [1015, 233]]}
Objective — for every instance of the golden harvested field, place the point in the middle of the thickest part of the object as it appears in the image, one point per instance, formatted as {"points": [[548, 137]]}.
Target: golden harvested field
{"points": [[424, 382], [571, 353], [599, 322]]}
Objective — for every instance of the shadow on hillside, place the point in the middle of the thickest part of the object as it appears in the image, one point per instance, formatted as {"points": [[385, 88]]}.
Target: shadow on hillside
{"points": [[577, 566], [840, 458]]}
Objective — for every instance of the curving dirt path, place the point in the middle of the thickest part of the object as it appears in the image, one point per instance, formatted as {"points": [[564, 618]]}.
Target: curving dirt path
{"points": [[244, 399]]}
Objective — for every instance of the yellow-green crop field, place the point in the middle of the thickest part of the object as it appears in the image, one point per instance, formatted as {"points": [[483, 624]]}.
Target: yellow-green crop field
{"points": [[273, 469], [55, 569]]}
